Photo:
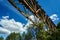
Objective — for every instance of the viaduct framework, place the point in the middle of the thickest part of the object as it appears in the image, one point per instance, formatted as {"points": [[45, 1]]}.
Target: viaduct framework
{"points": [[36, 9]]}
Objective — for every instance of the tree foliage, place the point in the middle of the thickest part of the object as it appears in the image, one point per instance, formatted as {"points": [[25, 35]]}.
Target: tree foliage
{"points": [[58, 26], [41, 34], [14, 36], [1, 38]]}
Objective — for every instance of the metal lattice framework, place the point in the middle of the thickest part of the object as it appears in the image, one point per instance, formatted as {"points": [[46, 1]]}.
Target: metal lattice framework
{"points": [[22, 12], [36, 9]]}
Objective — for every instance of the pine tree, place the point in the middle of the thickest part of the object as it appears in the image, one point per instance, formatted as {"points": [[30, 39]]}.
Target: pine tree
{"points": [[14, 36]]}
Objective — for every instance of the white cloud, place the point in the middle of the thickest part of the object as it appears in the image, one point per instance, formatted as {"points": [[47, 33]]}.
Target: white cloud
{"points": [[11, 25], [4, 31], [54, 17], [35, 19], [5, 17]]}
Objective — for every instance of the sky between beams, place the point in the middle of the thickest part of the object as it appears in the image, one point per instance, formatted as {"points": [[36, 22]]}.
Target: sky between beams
{"points": [[51, 7]]}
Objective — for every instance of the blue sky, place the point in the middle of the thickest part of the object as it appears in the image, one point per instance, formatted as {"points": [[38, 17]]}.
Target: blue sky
{"points": [[7, 10], [51, 7]]}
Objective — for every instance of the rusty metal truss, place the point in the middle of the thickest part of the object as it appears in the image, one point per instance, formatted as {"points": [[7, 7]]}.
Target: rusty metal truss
{"points": [[36, 9]]}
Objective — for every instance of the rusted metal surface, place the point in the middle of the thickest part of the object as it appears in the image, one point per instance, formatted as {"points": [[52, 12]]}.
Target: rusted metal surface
{"points": [[39, 12], [36, 9], [23, 13]]}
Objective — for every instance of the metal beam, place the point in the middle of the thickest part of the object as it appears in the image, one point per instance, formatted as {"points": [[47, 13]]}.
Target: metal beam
{"points": [[39, 12], [23, 13]]}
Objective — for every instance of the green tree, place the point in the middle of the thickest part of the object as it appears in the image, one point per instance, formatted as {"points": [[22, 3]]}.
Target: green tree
{"points": [[14, 36], [1, 38], [29, 34], [58, 26], [42, 34], [55, 35], [58, 33], [40, 31], [40, 26]]}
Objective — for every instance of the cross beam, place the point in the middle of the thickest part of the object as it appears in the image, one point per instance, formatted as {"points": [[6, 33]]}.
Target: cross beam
{"points": [[23, 13], [38, 11]]}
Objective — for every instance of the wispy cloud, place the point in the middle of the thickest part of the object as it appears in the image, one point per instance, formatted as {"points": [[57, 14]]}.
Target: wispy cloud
{"points": [[10, 25], [54, 17], [4, 31], [34, 18]]}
